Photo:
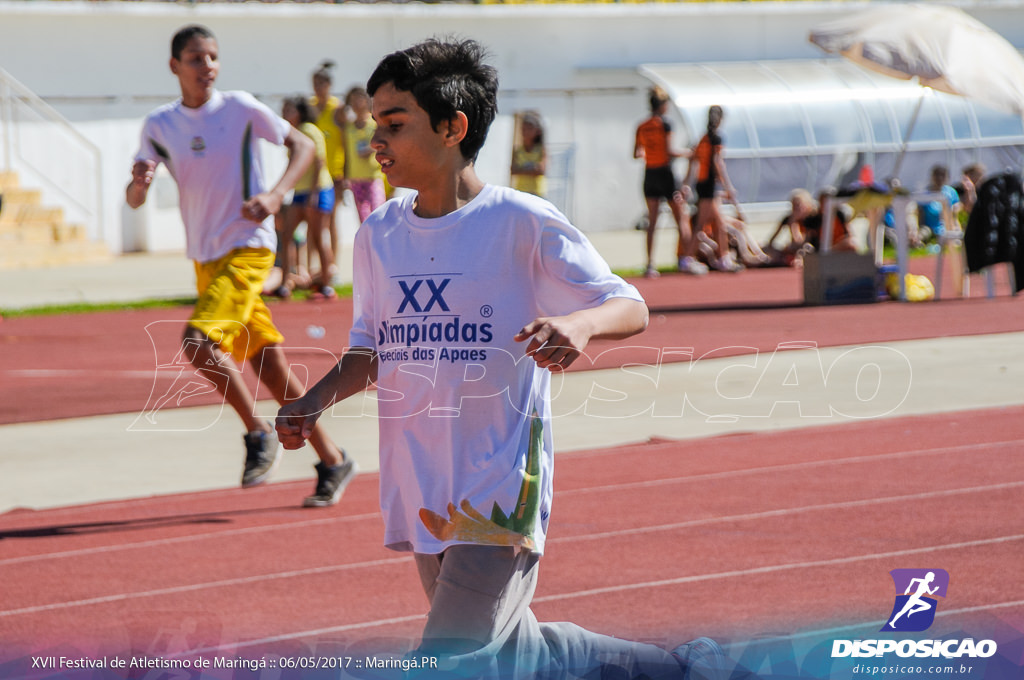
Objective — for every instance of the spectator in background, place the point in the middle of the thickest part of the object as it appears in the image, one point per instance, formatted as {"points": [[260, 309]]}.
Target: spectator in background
{"points": [[803, 225], [312, 203], [709, 164], [967, 189], [934, 216], [529, 158], [654, 144], [330, 120], [362, 172]]}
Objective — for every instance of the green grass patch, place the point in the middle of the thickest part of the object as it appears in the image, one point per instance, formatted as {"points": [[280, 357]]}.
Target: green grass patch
{"points": [[87, 307], [156, 303]]}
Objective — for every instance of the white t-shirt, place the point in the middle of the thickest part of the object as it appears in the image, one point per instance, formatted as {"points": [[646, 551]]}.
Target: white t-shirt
{"points": [[213, 154], [465, 417]]}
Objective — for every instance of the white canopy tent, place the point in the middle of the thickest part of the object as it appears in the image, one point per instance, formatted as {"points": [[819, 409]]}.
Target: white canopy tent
{"points": [[813, 123]]}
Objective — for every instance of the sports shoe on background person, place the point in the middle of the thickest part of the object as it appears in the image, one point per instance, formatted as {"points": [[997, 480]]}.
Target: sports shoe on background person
{"points": [[331, 482], [701, 659], [690, 265], [262, 451]]}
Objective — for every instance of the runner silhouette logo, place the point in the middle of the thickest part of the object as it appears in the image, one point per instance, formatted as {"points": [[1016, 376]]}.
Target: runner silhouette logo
{"points": [[916, 603]]}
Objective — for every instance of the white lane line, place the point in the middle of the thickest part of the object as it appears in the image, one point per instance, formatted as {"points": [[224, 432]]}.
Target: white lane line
{"points": [[306, 633], [583, 593], [404, 619], [560, 494], [789, 467], [786, 511], [76, 373], [106, 599], [775, 568], [157, 542]]}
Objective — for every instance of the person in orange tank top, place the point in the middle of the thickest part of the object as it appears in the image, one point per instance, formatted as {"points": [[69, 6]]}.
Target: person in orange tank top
{"points": [[654, 145], [706, 160]]}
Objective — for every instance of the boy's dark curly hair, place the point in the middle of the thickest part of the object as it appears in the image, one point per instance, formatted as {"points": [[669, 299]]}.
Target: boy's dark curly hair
{"points": [[445, 77]]}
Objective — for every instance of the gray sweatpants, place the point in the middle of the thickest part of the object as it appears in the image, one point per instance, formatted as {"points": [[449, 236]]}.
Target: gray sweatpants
{"points": [[481, 626]]}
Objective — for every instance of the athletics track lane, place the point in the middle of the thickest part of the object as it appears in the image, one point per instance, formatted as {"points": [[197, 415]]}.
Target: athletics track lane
{"points": [[731, 536], [54, 367]]}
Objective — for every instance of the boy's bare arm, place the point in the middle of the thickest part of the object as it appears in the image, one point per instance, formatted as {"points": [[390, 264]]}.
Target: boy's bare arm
{"points": [[356, 371], [556, 341], [142, 177], [302, 151]]}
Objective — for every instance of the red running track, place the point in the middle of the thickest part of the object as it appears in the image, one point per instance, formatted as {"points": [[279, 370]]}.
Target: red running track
{"points": [[735, 536], [112, 362]]}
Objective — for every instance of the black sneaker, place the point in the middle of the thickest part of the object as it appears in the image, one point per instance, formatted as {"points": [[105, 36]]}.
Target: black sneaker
{"points": [[701, 659], [331, 481], [262, 451]]}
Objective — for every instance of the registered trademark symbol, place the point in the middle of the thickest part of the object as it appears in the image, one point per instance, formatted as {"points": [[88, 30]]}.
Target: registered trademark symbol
{"points": [[486, 311]]}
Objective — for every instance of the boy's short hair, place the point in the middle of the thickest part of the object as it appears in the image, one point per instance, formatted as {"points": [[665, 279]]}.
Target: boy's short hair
{"points": [[184, 35], [445, 77]]}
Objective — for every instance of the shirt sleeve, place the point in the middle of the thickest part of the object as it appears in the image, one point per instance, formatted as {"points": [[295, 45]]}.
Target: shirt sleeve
{"points": [[150, 149], [573, 275], [363, 324], [266, 124]]}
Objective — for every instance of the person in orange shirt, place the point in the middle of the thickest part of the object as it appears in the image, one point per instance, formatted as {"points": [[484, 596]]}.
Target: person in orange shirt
{"points": [[654, 145], [706, 159]]}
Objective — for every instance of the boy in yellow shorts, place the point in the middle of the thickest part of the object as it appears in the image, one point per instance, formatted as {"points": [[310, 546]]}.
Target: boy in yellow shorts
{"points": [[208, 141]]}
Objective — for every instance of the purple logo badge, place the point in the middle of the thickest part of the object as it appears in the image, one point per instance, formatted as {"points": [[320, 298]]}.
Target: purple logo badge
{"points": [[916, 590]]}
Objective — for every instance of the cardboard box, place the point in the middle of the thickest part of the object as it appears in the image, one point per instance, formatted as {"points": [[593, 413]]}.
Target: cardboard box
{"points": [[836, 278]]}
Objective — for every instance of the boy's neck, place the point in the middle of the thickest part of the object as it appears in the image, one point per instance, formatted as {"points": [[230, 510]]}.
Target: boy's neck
{"points": [[449, 194], [195, 102]]}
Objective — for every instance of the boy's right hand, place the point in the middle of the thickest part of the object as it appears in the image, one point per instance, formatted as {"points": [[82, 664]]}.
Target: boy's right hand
{"points": [[295, 423], [142, 173]]}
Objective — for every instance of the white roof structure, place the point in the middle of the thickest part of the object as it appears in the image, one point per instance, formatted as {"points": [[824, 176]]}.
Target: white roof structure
{"points": [[813, 123]]}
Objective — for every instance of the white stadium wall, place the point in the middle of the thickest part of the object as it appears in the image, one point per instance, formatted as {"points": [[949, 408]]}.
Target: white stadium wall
{"points": [[103, 65]]}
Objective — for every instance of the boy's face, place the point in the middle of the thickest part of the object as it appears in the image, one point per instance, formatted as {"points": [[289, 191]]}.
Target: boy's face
{"points": [[410, 152], [197, 70]]}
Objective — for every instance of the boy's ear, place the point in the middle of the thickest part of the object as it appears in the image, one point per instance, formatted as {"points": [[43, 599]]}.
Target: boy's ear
{"points": [[174, 66], [458, 127]]}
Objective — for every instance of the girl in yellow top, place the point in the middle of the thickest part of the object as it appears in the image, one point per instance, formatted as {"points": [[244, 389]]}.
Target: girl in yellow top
{"points": [[330, 120], [529, 160], [362, 172], [312, 202]]}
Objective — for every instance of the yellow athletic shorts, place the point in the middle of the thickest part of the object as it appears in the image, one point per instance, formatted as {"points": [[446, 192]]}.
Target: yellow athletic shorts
{"points": [[230, 310]]}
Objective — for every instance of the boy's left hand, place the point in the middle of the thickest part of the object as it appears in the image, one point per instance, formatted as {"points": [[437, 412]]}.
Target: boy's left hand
{"points": [[555, 342], [261, 206]]}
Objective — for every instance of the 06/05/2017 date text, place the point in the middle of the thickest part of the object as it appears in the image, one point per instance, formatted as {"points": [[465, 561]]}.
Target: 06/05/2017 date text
{"points": [[358, 662]]}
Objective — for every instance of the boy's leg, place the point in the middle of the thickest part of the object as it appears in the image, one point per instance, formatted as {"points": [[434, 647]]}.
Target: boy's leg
{"points": [[335, 469], [275, 373], [218, 368], [222, 323], [480, 624]]}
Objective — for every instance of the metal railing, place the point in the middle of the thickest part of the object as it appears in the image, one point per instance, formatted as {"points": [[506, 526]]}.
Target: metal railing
{"points": [[49, 154]]}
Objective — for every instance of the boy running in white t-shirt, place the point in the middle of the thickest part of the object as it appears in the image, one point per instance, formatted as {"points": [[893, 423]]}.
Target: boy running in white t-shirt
{"points": [[467, 295], [209, 142]]}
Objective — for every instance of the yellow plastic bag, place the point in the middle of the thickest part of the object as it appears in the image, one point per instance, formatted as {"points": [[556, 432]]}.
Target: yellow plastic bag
{"points": [[919, 288]]}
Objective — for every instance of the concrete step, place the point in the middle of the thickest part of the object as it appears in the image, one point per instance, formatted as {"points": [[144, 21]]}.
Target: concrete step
{"points": [[41, 231], [16, 202], [33, 235], [8, 180], [32, 255]]}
